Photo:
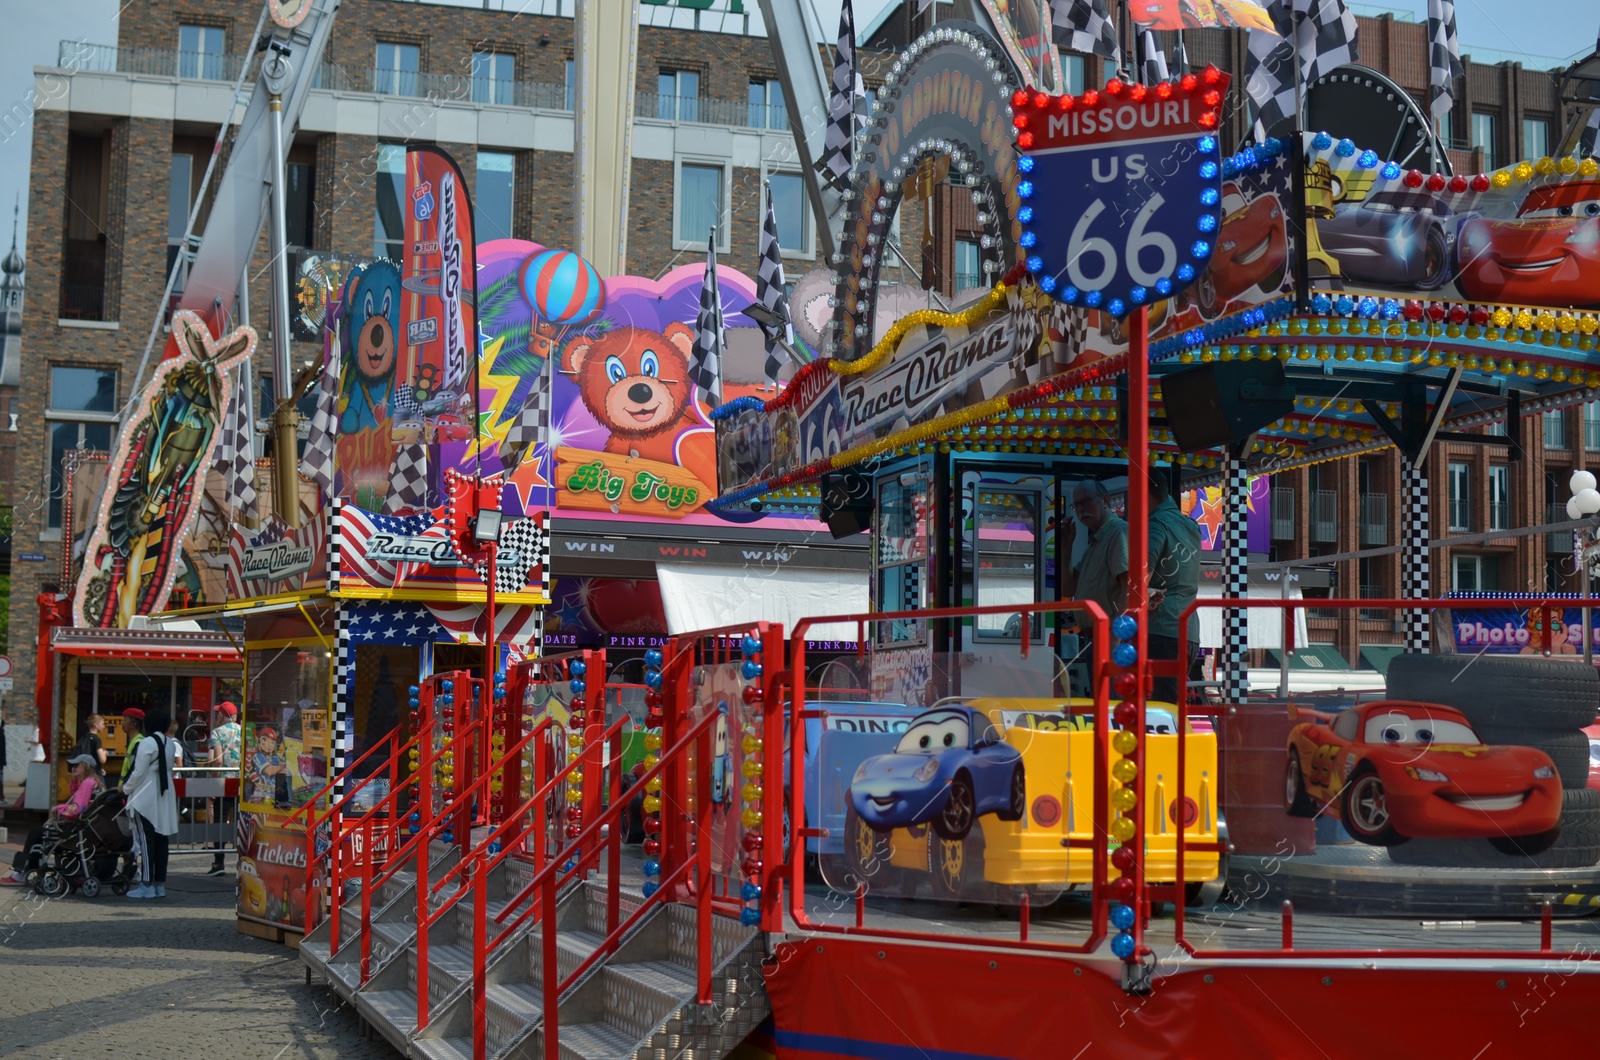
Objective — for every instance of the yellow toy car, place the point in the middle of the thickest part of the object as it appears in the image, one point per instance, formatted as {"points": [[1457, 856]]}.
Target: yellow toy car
{"points": [[1048, 848]]}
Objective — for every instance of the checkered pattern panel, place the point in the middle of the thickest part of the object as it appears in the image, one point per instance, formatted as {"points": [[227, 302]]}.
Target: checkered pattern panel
{"points": [[317, 463], [770, 292], [843, 102], [1324, 40], [1417, 584], [334, 505], [1085, 26], [1444, 56], [1233, 661], [705, 371], [341, 695], [236, 450], [911, 599], [408, 479], [532, 424], [1152, 61]]}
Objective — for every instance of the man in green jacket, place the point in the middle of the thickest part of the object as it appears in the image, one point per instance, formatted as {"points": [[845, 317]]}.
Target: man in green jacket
{"points": [[133, 730], [1174, 581]]}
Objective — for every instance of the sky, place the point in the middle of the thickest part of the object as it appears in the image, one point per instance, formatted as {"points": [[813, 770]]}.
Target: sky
{"points": [[1555, 28]]}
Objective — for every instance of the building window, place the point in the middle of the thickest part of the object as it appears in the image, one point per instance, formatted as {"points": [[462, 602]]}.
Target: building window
{"points": [[1072, 68], [82, 415], [1474, 574], [200, 53], [180, 199], [569, 93], [1483, 135], [1535, 138], [678, 95], [1591, 426], [389, 240], [766, 106], [300, 203], [1555, 429], [700, 202], [1499, 497], [1447, 129], [790, 210], [83, 245], [969, 267], [495, 170], [493, 74], [1460, 497], [395, 73]]}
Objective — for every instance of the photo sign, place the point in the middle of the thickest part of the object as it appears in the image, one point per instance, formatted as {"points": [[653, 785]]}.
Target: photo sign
{"points": [[1121, 189]]}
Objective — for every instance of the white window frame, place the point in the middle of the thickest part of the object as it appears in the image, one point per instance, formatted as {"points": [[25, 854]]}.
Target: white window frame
{"points": [[726, 213], [808, 225], [492, 56], [1499, 497], [396, 72], [1459, 501], [201, 58], [503, 154], [53, 416]]}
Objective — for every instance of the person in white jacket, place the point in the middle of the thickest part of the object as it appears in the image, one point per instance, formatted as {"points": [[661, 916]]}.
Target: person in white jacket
{"points": [[153, 805]]}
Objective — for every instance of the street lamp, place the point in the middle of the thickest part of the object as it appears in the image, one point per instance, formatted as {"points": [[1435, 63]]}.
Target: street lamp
{"points": [[1584, 504]]}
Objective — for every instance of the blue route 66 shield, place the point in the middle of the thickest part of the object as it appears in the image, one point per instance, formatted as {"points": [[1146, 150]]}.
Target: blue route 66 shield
{"points": [[1121, 190]]}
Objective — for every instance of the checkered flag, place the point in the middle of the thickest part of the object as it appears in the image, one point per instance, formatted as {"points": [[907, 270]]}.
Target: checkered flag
{"points": [[531, 425], [770, 292], [236, 451], [1180, 57], [408, 479], [317, 463], [843, 102], [1152, 63], [405, 402], [1084, 26], [521, 547], [1444, 56], [1325, 40], [705, 371]]}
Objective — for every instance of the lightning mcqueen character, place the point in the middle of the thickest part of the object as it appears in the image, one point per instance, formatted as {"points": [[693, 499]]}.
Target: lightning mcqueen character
{"points": [[1394, 770], [1548, 255]]}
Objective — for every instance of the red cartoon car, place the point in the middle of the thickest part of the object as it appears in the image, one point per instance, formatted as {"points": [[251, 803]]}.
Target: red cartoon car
{"points": [[449, 428], [1548, 255], [1394, 770], [1252, 251]]}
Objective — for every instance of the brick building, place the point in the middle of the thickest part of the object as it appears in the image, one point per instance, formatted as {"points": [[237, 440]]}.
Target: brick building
{"points": [[121, 145], [125, 131]]}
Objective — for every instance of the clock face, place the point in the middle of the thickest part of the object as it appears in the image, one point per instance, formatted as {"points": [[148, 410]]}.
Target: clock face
{"points": [[289, 13]]}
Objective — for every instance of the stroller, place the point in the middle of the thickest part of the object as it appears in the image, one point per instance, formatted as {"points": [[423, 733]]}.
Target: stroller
{"points": [[85, 854]]}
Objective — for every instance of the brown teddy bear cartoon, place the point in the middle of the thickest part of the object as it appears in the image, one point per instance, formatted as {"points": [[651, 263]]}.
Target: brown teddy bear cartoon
{"points": [[636, 382]]}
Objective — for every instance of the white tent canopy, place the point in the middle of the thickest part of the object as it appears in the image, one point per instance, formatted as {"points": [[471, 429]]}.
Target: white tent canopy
{"points": [[710, 597], [1266, 623]]}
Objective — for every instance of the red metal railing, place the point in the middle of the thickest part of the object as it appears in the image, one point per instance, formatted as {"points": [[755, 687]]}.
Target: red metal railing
{"points": [[1286, 947], [795, 870]]}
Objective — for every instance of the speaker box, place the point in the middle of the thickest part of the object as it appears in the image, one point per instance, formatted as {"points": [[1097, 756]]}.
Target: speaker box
{"points": [[847, 503], [1224, 402]]}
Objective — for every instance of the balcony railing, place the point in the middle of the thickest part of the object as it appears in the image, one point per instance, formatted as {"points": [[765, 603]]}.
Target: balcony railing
{"points": [[1374, 519], [1591, 427], [1499, 515], [1460, 514], [83, 301], [165, 62], [709, 111], [1324, 517], [457, 88], [1283, 515], [1558, 542]]}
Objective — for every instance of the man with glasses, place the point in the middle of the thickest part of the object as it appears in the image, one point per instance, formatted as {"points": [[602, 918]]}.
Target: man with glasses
{"points": [[1102, 576]]}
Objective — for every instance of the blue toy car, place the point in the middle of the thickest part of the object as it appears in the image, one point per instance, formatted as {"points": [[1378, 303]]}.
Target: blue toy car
{"points": [[837, 743], [949, 768]]}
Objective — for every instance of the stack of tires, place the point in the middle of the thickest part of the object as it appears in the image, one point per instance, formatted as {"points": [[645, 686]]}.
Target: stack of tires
{"points": [[1519, 700]]}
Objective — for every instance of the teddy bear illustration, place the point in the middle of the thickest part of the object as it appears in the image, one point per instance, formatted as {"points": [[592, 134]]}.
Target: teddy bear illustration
{"points": [[636, 382], [372, 320]]}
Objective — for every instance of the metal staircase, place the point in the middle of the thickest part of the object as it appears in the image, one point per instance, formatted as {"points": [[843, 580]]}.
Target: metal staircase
{"points": [[665, 975]]}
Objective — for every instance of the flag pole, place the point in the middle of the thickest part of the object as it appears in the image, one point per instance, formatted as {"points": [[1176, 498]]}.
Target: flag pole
{"points": [[1302, 250]]}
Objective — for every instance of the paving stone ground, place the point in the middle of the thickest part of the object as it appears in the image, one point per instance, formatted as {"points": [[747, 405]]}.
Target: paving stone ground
{"points": [[161, 979]]}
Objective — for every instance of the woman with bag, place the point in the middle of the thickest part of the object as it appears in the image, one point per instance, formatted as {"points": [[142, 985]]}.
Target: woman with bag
{"points": [[153, 805]]}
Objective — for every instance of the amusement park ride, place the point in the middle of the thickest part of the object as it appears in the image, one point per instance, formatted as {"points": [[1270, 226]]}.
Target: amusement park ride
{"points": [[819, 879]]}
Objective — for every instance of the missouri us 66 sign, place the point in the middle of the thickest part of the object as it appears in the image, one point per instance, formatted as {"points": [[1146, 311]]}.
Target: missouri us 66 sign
{"points": [[1120, 189]]}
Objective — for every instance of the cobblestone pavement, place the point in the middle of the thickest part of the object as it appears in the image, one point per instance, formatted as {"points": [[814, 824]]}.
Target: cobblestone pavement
{"points": [[160, 979]]}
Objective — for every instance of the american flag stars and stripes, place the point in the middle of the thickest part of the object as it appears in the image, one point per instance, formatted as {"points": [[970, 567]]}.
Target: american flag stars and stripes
{"points": [[1444, 57], [770, 292], [843, 102], [1085, 26], [361, 534], [705, 370]]}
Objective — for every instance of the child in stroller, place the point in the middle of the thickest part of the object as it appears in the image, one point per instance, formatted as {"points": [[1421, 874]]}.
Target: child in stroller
{"points": [[86, 842]]}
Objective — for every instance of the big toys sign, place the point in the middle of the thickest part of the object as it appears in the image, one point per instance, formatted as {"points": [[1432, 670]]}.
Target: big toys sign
{"points": [[1122, 189]]}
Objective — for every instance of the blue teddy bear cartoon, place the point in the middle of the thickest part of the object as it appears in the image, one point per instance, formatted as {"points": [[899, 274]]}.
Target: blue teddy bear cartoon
{"points": [[371, 347]]}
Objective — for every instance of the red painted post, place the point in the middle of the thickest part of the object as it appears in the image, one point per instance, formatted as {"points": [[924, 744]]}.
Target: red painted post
{"points": [[777, 675], [479, 881], [1288, 924], [366, 902], [552, 972], [1546, 925], [425, 819], [614, 839], [541, 821], [333, 885], [1024, 916], [1139, 574], [702, 821]]}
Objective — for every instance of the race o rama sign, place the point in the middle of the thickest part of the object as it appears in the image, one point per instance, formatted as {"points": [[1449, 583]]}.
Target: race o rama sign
{"points": [[1121, 189]]}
